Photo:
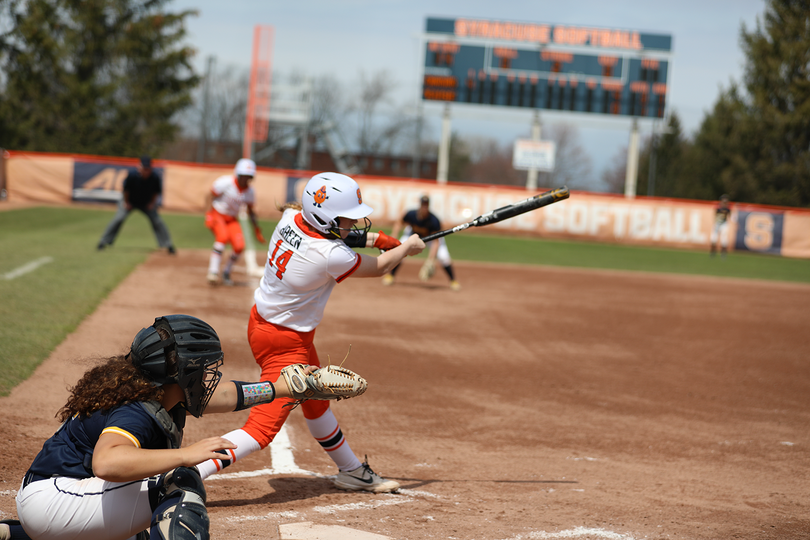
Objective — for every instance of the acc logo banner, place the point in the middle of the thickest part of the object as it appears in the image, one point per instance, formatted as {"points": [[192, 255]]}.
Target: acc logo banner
{"points": [[100, 182], [759, 231]]}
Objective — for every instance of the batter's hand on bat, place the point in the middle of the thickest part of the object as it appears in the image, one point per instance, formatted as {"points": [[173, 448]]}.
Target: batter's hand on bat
{"points": [[414, 245]]}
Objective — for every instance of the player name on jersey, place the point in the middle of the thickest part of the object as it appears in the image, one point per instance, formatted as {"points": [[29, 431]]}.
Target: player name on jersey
{"points": [[291, 237]]}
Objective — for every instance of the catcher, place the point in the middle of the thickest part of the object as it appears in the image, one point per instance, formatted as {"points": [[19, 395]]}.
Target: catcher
{"points": [[309, 254], [116, 468], [423, 222]]}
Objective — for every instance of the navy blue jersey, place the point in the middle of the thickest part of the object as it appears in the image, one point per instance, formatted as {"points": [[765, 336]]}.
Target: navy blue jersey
{"points": [[721, 214], [422, 227], [69, 452], [141, 189]]}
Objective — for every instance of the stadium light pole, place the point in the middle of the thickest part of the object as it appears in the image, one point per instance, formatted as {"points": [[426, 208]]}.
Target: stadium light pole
{"points": [[444, 147], [531, 178], [632, 163]]}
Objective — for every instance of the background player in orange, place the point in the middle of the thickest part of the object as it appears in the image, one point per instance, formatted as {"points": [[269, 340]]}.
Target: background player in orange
{"points": [[424, 222], [227, 196], [722, 213], [309, 254]]}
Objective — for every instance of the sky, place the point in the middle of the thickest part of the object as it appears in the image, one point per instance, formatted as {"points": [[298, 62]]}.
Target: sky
{"points": [[345, 38]]}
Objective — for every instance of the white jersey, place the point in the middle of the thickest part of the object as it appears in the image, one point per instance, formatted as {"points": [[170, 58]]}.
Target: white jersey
{"points": [[228, 198], [301, 270]]}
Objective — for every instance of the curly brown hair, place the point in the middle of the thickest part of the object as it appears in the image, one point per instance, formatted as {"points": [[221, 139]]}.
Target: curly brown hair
{"points": [[111, 384]]}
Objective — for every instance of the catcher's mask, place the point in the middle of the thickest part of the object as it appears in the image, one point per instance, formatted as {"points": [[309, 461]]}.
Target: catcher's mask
{"points": [[184, 350]]}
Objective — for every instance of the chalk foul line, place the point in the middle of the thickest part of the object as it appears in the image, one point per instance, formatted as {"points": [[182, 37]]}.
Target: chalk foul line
{"points": [[26, 268]]}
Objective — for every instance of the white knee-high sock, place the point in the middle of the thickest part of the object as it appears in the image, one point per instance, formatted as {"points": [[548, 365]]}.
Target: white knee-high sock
{"points": [[245, 445], [216, 257], [326, 431]]}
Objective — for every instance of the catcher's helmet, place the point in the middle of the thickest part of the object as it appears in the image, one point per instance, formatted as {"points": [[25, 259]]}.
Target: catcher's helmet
{"points": [[188, 354], [328, 196]]}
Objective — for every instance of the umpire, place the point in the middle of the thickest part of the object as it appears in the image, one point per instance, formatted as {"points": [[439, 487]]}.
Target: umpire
{"points": [[141, 191]]}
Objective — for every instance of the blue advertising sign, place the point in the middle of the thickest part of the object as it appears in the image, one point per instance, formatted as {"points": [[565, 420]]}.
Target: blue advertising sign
{"points": [[101, 182], [759, 231]]}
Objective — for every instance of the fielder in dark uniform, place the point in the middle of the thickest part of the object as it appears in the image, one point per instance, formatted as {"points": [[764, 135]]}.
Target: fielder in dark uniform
{"points": [[722, 213], [141, 191], [423, 222], [115, 467]]}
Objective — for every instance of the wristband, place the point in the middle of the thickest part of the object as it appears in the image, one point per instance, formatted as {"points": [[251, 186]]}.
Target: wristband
{"points": [[250, 394]]}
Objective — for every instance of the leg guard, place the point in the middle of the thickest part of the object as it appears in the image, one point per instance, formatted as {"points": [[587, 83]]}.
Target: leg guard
{"points": [[180, 511], [15, 530]]}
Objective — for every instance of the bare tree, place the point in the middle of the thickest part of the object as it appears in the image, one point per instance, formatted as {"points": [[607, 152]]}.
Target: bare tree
{"points": [[228, 103], [329, 102], [572, 165], [491, 163], [614, 176], [378, 125]]}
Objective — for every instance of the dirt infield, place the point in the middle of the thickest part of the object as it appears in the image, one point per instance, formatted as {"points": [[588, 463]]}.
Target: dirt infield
{"points": [[536, 402]]}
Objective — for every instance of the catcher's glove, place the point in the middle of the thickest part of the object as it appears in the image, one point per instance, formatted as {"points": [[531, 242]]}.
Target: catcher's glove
{"points": [[330, 382], [427, 270]]}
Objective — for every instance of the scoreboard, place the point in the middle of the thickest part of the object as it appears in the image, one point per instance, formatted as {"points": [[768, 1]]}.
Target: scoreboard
{"points": [[542, 66]]}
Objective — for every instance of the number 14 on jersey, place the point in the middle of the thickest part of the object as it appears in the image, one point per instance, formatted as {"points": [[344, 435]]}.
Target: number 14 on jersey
{"points": [[280, 263]]}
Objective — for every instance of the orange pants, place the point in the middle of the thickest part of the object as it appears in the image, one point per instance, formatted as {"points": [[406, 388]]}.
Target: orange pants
{"points": [[274, 348], [226, 229]]}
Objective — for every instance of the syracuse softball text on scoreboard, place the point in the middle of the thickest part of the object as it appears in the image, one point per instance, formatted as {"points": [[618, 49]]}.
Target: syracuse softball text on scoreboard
{"points": [[543, 66]]}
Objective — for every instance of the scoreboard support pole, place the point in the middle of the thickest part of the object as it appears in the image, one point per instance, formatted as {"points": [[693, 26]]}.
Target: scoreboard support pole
{"points": [[631, 176], [531, 179], [444, 147]]}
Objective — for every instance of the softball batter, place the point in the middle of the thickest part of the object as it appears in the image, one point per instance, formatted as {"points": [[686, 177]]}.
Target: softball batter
{"points": [[227, 196], [309, 254]]}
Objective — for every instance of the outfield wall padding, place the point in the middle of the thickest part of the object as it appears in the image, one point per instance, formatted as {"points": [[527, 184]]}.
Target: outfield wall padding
{"points": [[650, 221]]}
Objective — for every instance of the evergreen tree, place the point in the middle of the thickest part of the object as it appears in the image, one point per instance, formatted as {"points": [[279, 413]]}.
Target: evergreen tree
{"points": [[777, 78], [92, 76], [671, 148], [755, 145]]}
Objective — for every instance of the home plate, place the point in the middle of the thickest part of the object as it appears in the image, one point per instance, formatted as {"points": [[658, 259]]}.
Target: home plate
{"points": [[309, 531]]}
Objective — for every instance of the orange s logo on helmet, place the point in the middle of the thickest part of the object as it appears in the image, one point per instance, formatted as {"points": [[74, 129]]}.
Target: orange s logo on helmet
{"points": [[359, 197], [320, 196]]}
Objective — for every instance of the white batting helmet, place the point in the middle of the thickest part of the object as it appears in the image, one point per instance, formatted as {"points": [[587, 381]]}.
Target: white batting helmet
{"points": [[328, 196], [245, 167]]}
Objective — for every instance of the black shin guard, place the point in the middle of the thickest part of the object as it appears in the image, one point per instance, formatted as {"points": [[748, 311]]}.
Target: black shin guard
{"points": [[180, 513], [15, 529]]}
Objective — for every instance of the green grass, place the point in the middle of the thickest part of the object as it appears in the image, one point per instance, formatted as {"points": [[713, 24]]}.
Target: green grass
{"points": [[39, 309], [618, 257]]}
